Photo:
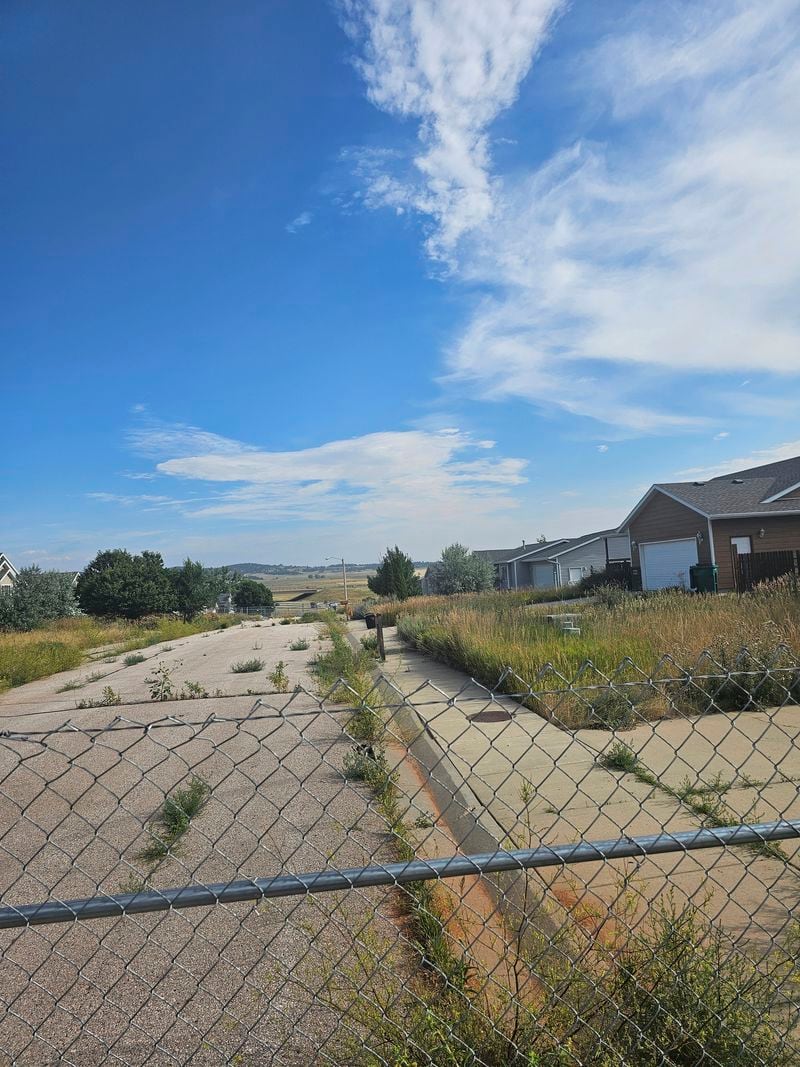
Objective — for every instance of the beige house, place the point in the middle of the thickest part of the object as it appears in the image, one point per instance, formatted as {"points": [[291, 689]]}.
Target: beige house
{"points": [[8, 574]]}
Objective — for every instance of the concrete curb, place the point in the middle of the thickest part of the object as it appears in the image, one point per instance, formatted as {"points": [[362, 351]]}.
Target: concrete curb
{"points": [[455, 801]]}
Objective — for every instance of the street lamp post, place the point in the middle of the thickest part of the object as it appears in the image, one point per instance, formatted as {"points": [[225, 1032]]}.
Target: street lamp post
{"points": [[344, 575]]}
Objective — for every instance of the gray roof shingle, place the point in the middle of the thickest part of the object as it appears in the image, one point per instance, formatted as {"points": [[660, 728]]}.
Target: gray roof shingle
{"points": [[741, 492]]}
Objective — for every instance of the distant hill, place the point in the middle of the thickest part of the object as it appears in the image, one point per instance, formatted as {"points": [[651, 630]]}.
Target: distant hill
{"points": [[287, 568]]}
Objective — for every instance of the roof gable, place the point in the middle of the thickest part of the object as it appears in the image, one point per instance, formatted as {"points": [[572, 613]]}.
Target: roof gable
{"points": [[766, 490]]}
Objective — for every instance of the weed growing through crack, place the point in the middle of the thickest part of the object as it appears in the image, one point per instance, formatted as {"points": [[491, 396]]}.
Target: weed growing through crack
{"points": [[108, 698], [279, 679], [133, 658], [370, 644], [620, 757], [161, 684], [247, 666], [300, 645], [174, 819], [193, 690]]}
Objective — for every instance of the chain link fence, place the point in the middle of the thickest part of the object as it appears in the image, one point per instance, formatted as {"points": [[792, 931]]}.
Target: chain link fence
{"points": [[411, 875]]}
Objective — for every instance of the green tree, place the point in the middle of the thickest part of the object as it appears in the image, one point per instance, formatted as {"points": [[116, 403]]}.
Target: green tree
{"points": [[248, 593], [396, 576], [118, 584], [461, 571], [193, 588], [37, 596]]}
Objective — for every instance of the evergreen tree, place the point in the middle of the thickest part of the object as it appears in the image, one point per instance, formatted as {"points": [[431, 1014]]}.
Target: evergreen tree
{"points": [[118, 584], [396, 576], [194, 589]]}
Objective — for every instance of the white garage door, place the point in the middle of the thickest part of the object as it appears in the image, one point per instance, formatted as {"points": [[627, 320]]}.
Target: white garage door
{"points": [[666, 563]]}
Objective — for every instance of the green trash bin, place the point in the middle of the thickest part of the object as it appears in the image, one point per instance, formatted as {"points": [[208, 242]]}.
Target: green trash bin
{"points": [[703, 578]]}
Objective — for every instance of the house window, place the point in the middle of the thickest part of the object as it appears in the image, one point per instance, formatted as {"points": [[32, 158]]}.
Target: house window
{"points": [[742, 545], [575, 575]]}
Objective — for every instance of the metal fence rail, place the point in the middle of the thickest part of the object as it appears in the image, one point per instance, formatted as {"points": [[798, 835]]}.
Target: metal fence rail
{"points": [[599, 869], [392, 874]]}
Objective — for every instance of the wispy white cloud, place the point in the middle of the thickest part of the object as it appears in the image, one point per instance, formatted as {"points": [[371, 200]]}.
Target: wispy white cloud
{"points": [[452, 65], [786, 450], [156, 439], [721, 436], [617, 268], [303, 219], [419, 484], [146, 501]]}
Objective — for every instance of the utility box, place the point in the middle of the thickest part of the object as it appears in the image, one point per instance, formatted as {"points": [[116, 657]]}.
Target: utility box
{"points": [[703, 578]]}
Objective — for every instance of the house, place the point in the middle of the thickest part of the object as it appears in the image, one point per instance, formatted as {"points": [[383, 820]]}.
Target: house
{"points": [[499, 557], [8, 574], [567, 560], [428, 581], [564, 561], [679, 524]]}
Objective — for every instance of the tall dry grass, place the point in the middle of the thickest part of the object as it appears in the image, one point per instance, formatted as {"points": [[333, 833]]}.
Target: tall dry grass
{"points": [[63, 643], [626, 638]]}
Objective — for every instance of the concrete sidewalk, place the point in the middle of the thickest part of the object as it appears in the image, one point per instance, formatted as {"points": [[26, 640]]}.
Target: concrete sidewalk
{"points": [[529, 781]]}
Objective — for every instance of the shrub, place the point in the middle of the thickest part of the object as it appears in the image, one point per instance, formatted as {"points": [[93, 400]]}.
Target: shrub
{"points": [[247, 666], [192, 690], [619, 757], [279, 678], [611, 709], [133, 658], [108, 698], [370, 644], [37, 597], [300, 645]]}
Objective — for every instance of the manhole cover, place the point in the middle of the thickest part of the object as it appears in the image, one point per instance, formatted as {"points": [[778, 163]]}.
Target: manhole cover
{"points": [[493, 715]]}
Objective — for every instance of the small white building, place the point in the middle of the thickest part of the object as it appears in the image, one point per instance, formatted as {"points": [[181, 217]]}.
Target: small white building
{"points": [[8, 574]]}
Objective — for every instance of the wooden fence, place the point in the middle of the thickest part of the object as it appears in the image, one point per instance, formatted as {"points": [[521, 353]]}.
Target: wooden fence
{"points": [[750, 568]]}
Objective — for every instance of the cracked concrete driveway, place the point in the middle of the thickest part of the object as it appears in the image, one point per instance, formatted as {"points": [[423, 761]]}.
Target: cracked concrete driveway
{"points": [[243, 983]]}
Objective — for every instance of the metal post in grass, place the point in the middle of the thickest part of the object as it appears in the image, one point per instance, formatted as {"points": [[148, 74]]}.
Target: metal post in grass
{"points": [[379, 634]]}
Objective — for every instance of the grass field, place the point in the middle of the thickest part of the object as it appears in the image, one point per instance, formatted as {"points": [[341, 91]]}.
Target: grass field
{"points": [[625, 637], [311, 587], [63, 644], [320, 586]]}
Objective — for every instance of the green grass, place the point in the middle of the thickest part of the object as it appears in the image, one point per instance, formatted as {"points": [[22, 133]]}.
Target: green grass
{"points": [[342, 661], [174, 818], [620, 757], [62, 645], [247, 666]]}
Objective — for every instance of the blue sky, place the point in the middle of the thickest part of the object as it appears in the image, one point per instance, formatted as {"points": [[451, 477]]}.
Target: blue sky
{"points": [[305, 278]]}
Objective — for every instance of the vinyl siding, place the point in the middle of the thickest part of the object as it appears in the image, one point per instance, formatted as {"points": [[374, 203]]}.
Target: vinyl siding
{"points": [[780, 532], [664, 519], [590, 557]]}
